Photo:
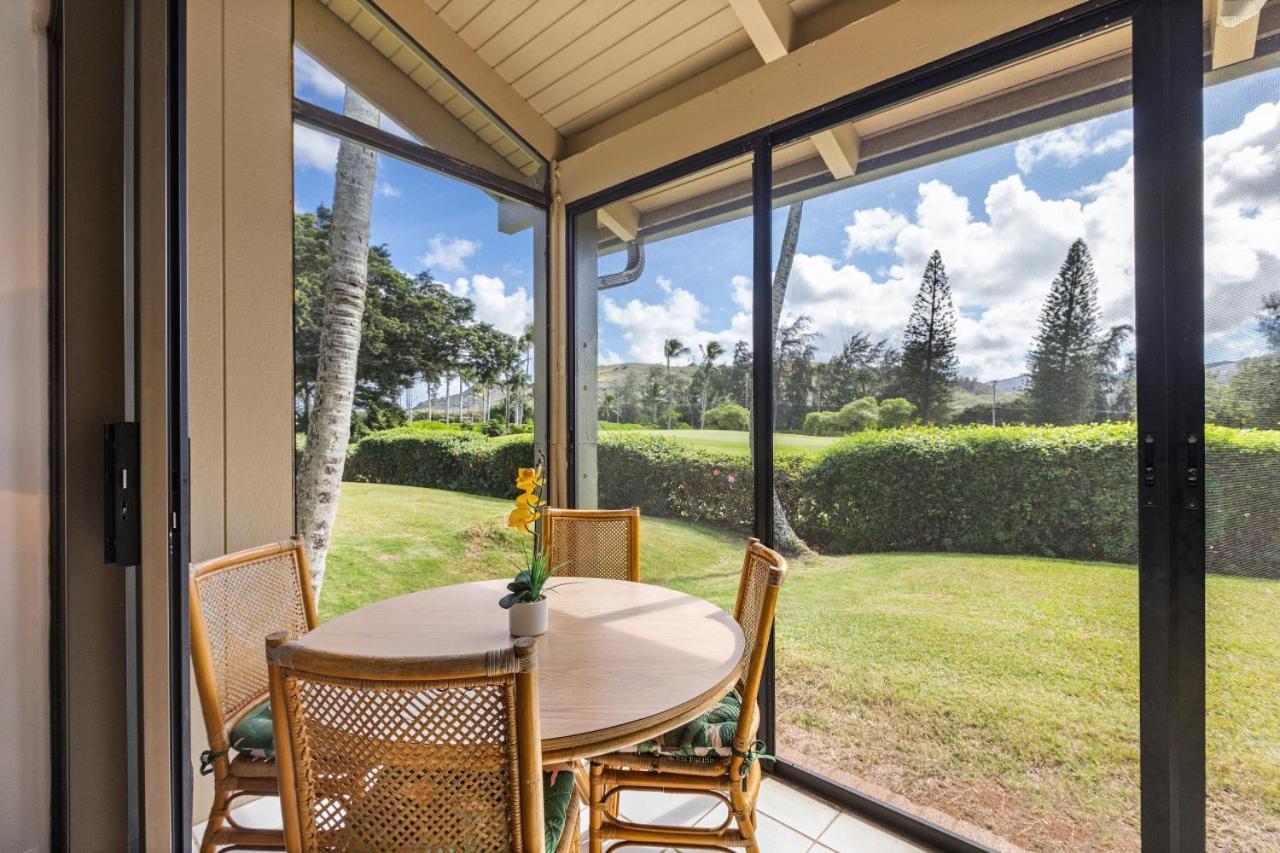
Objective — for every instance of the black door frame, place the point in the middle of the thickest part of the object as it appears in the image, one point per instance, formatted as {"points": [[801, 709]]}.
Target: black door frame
{"points": [[1169, 251]]}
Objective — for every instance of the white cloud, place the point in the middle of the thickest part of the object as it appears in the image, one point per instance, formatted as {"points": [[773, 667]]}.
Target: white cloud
{"points": [[448, 254], [310, 77], [387, 190], [1000, 261], [314, 150], [872, 230], [1242, 221], [509, 312], [645, 326], [1069, 145], [1002, 255]]}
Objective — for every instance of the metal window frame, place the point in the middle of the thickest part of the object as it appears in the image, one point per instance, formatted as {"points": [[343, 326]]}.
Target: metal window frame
{"points": [[1169, 250]]}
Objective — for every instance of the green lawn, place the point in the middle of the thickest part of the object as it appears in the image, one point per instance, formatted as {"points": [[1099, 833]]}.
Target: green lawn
{"points": [[999, 690], [730, 441]]}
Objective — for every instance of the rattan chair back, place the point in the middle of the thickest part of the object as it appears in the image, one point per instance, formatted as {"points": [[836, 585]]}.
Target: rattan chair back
{"points": [[236, 601], [593, 543], [763, 571], [408, 754]]}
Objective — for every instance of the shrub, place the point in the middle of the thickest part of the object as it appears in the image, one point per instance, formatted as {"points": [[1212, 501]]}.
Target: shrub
{"points": [[610, 426], [425, 425], [820, 423], [1066, 492], [1042, 491], [861, 414], [456, 460], [730, 416], [896, 412]]}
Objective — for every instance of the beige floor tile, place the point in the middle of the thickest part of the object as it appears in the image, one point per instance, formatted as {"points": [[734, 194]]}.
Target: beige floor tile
{"points": [[850, 834], [778, 838], [796, 809], [670, 809]]}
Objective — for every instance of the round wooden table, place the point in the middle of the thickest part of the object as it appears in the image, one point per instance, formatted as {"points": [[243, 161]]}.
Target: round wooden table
{"points": [[621, 663]]}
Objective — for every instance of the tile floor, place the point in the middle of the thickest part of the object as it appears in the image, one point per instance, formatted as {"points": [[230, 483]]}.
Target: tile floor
{"points": [[791, 821]]}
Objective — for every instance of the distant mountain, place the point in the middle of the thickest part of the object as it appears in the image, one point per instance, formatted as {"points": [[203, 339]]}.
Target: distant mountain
{"points": [[1014, 383], [611, 377], [1223, 371]]}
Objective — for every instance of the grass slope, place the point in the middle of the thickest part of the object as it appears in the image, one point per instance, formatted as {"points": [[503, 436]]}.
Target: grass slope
{"points": [[1000, 690]]}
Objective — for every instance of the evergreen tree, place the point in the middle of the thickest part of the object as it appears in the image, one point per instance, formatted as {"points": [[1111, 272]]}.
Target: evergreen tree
{"points": [[1112, 401], [1065, 358], [928, 366], [741, 373], [1269, 322]]}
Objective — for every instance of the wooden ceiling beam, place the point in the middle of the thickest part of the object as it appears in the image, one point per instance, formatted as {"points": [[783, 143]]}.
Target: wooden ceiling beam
{"points": [[839, 149], [770, 24], [772, 27], [1234, 30], [811, 75], [621, 218]]}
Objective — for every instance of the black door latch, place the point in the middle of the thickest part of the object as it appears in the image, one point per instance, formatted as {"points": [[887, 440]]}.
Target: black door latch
{"points": [[123, 533]]}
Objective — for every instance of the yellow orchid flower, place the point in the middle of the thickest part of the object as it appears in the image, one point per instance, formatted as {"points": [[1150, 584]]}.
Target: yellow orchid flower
{"points": [[521, 519], [528, 479]]}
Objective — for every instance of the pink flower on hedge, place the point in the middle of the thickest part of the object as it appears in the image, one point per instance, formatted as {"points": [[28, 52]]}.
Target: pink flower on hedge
{"points": [[715, 471], [732, 479]]}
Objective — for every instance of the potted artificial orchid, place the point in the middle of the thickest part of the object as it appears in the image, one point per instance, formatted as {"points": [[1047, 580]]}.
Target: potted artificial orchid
{"points": [[526, 600]]}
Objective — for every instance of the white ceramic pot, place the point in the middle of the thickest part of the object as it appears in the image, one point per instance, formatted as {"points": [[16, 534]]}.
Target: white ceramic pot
{"points": [[528, 618]]}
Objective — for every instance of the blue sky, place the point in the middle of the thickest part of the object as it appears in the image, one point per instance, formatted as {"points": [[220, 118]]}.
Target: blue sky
{"points": [[1003, 219], [428, 221]]}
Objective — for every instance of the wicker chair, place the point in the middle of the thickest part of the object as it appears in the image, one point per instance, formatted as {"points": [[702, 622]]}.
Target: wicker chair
{"points": [[700, 757], [594, 543], [413, 753], [236, 601]]}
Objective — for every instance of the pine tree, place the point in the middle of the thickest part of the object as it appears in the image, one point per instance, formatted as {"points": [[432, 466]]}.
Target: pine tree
{"points": [[1064, 360], [928, 367]]}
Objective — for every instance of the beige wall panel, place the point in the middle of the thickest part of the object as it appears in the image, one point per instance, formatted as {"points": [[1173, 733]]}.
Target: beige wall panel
{"points": [[205, 330], [24, 432], [205, 168], [258, 285], [885, 43]]}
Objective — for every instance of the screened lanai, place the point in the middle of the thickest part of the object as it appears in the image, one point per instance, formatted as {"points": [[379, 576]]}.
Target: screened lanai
{"points": [[888, 387]]}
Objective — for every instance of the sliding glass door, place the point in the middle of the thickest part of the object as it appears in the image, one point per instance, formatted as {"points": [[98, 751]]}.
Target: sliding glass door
{"points": [[943, 328], [1242, 415], [955, 416]]}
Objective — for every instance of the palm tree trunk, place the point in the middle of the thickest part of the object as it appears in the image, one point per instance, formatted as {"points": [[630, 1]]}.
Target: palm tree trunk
{"points": [[784, 536], [329, 431]]}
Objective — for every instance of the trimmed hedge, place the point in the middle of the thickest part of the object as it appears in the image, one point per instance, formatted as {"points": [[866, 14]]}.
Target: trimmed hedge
{"points": [[1052, 491], [441, 459], [1043, 491]]}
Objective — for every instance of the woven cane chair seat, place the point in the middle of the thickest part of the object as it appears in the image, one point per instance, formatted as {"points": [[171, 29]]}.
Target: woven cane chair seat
{"points": [[707, 736], [252, 736], [715, 754]]}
